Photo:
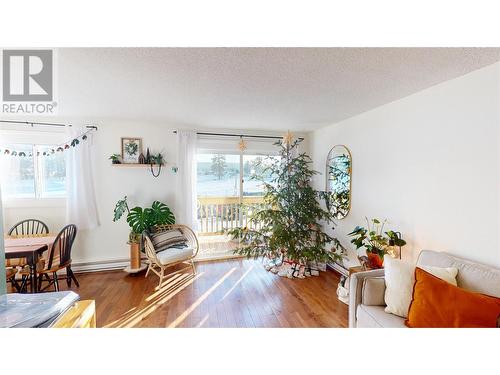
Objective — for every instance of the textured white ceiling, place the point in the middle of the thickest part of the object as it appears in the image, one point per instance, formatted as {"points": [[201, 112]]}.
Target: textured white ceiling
{"points": [[251, 88]]}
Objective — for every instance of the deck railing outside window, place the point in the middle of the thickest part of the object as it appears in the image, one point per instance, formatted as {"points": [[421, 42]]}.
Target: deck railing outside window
{"points": [[216, 214]]}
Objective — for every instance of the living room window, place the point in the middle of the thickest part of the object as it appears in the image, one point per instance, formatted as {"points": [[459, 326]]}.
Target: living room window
{"points": [[34, 175]]}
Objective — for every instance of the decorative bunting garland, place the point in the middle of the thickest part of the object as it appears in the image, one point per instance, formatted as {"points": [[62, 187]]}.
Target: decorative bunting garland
{"points": [[50, 151]]}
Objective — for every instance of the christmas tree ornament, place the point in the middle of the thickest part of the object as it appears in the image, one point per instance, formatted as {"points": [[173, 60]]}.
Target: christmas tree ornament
{"points": [[287, 138]]}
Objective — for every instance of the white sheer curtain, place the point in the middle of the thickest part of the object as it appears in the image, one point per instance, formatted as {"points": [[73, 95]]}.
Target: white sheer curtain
{"points": [[81, 206], [186, 206]]}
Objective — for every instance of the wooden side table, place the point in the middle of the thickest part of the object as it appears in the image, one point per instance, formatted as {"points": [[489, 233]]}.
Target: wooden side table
{"points": [[357, 269]]}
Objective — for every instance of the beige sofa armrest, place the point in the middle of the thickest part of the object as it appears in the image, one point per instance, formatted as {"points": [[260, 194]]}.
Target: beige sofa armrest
{"points": [[355, 291]]}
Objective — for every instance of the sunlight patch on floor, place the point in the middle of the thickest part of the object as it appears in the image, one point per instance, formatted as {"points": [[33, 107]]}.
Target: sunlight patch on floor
{"points": [[167, 284], [200, 324], [237, 282], [191, 308], [156, 300]]}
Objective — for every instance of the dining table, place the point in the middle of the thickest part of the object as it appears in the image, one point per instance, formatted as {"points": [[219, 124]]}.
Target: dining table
{"points": [[31, 248]]}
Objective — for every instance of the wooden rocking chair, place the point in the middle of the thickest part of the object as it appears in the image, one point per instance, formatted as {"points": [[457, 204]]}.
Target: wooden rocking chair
{"points": [[159, 262]]}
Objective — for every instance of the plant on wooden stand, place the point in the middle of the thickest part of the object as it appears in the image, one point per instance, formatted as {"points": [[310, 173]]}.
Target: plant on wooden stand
{"points": [[375, 240], [140, 219]]}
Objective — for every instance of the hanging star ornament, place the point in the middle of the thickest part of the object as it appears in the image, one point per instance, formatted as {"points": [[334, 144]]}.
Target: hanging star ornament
{"points": [[242, 145], [288, 138]]}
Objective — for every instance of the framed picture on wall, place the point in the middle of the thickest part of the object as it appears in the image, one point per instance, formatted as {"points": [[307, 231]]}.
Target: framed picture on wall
{"points": [[131, 149]]}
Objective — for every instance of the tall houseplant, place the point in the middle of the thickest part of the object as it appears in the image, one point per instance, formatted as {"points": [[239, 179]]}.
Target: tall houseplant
{"points": [[140, 219], [375, 240], [289, 224]]}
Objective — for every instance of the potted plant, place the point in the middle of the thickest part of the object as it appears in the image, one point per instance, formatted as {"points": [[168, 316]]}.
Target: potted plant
{"points": [[156, 159], [115, 159], [140, 219], [375, 241]]}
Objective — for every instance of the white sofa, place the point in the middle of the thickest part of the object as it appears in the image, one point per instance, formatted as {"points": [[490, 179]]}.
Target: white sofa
{"points": [[367, 289]]}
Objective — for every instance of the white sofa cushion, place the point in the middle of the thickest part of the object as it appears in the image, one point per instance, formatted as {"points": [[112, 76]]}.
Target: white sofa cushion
{"points": [[471, 276], [373, 291], [376, 317], [399, 280], [174, 254]]}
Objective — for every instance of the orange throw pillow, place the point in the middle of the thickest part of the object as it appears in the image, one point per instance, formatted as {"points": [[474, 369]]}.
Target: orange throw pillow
{"points": [[438, 304]]}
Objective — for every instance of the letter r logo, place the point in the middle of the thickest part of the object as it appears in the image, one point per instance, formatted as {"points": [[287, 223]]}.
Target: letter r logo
{"points": [[27, 75]]}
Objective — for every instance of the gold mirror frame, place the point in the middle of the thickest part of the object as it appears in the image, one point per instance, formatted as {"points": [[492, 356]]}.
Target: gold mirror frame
{"points": [[332, 206]]}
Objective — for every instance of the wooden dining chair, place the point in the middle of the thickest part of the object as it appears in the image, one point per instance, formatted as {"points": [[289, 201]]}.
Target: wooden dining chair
{"points": [[10, 276], [28, 227], [59, 258]]}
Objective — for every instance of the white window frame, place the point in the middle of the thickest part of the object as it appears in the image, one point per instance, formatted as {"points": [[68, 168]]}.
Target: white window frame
{"points": [[40, 137], [11, 201]]}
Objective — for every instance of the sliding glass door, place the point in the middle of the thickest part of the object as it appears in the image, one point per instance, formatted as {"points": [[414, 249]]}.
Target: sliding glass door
{"points": [[219, 191], [227, 197]]}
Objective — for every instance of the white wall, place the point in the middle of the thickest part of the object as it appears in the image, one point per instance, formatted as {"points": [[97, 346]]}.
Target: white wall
{"points": [[107, 243], [429, 163]]}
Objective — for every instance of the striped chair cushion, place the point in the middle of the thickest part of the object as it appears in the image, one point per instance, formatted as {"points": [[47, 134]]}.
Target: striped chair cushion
{"points": [[168, 238]]}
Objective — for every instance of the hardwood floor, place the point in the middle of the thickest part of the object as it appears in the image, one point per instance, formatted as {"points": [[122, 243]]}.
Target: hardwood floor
{"points": [[228, 293], [216, 247]]}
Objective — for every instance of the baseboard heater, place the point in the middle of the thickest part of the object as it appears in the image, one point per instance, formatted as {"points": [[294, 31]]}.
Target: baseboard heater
{"points": [[102, 265]]}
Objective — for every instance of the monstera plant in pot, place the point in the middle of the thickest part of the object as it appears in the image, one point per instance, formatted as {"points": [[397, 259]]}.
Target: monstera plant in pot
{"points": [[375, 241], [140, 219]]}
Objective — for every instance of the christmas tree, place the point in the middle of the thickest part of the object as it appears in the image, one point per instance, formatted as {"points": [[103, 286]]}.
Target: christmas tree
{"points": [[289, 224]]}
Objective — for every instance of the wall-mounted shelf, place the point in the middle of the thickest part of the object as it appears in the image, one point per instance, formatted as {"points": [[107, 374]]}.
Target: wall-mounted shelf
{"points": [[135, 165]]}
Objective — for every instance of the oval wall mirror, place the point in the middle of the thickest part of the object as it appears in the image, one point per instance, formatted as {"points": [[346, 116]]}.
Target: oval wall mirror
{"points": [[338, 181]]}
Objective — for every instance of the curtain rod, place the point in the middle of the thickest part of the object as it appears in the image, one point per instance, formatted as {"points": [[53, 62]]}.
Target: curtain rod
{"points": [[43, 123], [241, 135]]}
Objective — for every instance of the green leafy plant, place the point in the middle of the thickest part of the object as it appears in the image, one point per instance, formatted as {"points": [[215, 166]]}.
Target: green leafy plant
{"points": [[289, 223], [120, 208], [374, 239], [156, 159], [161, 214], [115, 158], [140, 219]]}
